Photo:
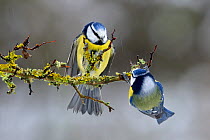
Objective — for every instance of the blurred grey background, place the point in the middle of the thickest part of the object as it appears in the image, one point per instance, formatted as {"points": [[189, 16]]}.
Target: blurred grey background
{"points": [[182, 63]]}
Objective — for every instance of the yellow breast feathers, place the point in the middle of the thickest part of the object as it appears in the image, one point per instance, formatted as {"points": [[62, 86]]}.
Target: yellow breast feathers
{"points": [[87, 62]]}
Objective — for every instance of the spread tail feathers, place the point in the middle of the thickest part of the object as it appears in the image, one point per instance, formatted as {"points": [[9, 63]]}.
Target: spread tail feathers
{"points": [[164, 115], [89, 105]]}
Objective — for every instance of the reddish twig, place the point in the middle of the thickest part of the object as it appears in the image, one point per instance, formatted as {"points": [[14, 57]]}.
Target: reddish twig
{"points": [[26, 41], [113, 38], [39, 45], [82, 97], [110, 44], [149, 64], [64, 66], [25, 47]]}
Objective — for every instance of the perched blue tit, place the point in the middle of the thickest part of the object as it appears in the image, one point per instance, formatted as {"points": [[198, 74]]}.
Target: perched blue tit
{"points": [[146, 94], [93, 40]]}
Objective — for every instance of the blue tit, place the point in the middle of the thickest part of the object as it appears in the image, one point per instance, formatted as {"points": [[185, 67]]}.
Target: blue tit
{"points": [[93, 39], [146, 94]]}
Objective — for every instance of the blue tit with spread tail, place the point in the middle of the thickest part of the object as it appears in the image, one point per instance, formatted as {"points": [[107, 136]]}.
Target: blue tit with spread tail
{"points": [[93, 40], [146, 94]]}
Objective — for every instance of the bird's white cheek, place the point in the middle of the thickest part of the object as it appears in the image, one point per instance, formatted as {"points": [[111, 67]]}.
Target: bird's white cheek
{"points": [[132, 80], [91, 36], [105, 39], [103, 35]]}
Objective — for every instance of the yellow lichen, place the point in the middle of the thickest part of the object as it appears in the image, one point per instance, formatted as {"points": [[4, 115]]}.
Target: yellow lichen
{"points": [[10, 70], [18, 46]]}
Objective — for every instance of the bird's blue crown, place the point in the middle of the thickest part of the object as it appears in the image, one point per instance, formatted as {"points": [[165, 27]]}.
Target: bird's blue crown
{"points": [[139, 72], [95, 32], [96, 25]]}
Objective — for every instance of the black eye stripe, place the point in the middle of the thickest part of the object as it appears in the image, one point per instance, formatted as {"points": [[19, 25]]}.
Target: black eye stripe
{"points": [[95, 33]]}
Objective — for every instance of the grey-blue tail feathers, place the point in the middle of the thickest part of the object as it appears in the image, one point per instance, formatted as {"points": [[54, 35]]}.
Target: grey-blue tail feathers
{"points": [[89, 106], [164, 115]]}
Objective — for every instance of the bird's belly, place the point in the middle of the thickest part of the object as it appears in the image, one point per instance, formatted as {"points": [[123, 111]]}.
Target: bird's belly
{"points": [[146, 102], [88, 59], [93, 66]]}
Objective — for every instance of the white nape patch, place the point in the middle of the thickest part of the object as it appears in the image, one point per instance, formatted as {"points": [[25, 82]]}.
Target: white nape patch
{"points": [[91, 36], [132, 80], [148, 85]]}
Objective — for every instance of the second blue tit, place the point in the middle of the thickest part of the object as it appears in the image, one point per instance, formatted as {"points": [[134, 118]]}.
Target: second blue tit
{"points": [[146, 94]]}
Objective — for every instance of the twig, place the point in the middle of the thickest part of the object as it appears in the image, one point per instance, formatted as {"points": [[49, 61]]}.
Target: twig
{"points": [[90, 98], [109, 47], [2, 57], [149, 64], [30, 89], [113, 38], [39, 45], [24, 47], [80, 94], [110, 44], [26, 41], [137, 57], [58, 87], [16, 69]]}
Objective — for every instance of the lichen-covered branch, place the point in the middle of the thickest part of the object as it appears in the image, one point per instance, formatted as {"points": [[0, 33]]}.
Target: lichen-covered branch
{"points": [[11, 70], [55, 78]]}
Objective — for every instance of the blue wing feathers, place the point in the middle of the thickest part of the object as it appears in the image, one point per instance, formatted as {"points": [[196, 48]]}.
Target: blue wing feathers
{"points": [[159, 86]]}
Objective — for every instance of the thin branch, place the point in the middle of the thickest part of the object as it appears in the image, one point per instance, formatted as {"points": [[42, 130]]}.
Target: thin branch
{"points": [[16, 69], [30, 89], [113, 38], [109, 47], [110, 44], [24, 47], [26, 41], [82, 97], [39, 45], [137, 58], [149, 64], [80, 94], [2, 57]]}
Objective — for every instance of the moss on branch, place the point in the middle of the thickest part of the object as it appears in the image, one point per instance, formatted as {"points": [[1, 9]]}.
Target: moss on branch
{"points": [[50, 76], [10, 69]]}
